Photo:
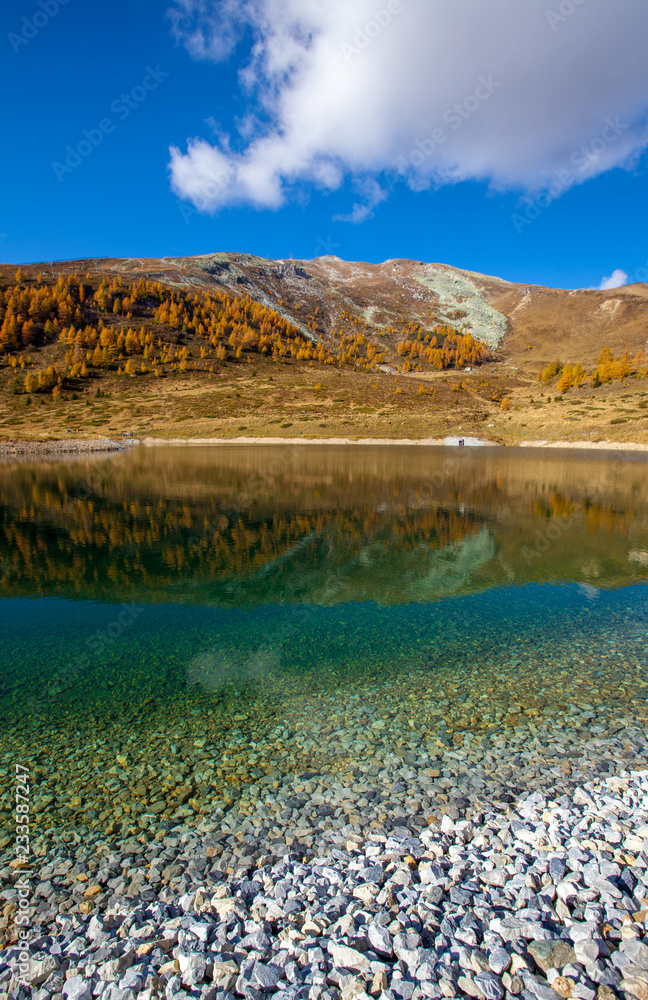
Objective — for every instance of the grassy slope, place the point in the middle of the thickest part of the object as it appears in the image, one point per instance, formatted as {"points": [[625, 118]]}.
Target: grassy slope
{"points": [[280, 398]]}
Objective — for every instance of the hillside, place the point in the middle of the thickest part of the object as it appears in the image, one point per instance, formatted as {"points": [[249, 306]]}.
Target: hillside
{"points": [[398, 292], [225, 344]]}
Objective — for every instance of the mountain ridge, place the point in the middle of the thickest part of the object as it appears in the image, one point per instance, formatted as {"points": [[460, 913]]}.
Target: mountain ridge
{"points": [[351, 350], [529, 323]]}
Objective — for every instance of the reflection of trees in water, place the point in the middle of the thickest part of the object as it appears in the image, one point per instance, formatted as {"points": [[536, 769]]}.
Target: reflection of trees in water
{"points": [[54, 542], [597, 517], [292, 525]]}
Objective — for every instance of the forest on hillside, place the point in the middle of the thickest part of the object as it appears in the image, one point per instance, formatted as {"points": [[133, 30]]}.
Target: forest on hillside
{"points": [[56, 333]]}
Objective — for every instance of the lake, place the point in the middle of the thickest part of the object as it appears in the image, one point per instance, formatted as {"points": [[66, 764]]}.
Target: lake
{"points": [[184, 631]]}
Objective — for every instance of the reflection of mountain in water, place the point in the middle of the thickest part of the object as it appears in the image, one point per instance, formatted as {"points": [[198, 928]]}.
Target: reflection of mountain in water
{"points": [[235, 528], [322, 572], [450, 569], [207, 552]]}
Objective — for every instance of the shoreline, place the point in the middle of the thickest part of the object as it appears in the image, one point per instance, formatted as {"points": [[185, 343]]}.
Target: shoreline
{"points": [[402, 442], [511, 888], [66, 447], [63, 447]]}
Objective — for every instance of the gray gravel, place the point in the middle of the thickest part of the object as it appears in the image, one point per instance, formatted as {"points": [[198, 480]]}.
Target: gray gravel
{"points": [[58, 448], [539, 897]]}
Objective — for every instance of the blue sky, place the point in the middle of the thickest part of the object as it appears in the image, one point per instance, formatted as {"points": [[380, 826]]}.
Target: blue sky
{"points": [[336, 140]]}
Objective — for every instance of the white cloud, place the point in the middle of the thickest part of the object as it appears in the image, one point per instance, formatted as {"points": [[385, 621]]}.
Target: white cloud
{"points": [[616, 280], [427, 91], [209, 30]]}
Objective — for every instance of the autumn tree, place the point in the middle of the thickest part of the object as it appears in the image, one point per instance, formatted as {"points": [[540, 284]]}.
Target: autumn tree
{"points": [[566, 380]]}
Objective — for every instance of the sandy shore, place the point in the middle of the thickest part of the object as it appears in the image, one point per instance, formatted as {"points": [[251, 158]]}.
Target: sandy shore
{"points": [[426, 442], [154, 442], [71, 447], [586, 445]]}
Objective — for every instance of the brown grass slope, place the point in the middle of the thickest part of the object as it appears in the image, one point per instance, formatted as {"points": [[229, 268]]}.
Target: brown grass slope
{"points": [[326, 296]]}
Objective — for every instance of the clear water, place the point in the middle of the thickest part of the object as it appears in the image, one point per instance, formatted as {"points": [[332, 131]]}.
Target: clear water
{"points": [[237, 615]]}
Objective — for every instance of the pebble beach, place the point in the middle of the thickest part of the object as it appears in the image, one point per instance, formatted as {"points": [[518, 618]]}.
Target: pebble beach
{"points": [[492, 868]]}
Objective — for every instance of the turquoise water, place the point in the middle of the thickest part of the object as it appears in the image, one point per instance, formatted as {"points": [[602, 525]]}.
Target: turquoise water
{"points": [[133, 659], [291, 610]]}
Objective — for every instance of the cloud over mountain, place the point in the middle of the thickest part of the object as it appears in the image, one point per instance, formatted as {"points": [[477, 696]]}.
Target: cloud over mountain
{"points": [[425, 92], [617, 279]]}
